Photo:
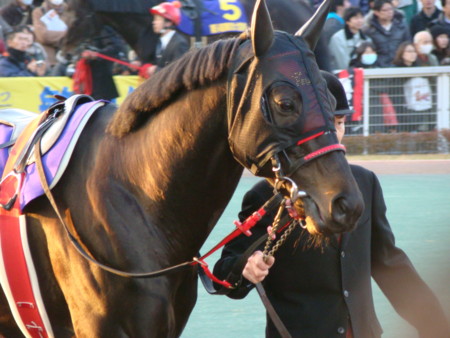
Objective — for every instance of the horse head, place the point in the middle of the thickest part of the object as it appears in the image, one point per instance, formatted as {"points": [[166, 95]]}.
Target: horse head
{"points": [[280, 122]]}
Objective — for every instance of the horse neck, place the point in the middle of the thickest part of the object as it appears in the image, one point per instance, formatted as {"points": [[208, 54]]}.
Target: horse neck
{"points": [[189, 173]]}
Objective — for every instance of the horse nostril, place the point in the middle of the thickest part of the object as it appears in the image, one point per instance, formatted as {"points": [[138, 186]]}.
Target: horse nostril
{"points": [[341, 211], [346, 211], [340, 205]]}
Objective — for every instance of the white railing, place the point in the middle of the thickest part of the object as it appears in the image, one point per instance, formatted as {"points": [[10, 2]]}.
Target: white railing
{"points": [[439, 77]]}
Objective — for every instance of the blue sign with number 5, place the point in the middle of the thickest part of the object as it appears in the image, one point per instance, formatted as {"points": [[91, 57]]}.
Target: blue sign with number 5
{"points": [[217, 17]]}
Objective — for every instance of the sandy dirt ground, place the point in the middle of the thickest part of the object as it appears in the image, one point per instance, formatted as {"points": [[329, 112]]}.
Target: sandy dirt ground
{"points": [[400, 167]]}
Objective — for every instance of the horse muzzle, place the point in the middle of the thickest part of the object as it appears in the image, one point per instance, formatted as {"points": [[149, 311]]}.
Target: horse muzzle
{"points": [[345, 210]]}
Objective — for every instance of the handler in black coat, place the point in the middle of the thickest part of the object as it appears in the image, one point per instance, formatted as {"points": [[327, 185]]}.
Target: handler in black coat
{"points": [[325, 291], [110, 44]]}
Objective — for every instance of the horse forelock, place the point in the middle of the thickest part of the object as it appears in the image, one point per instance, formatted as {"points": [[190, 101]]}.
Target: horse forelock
{"points": [[195, 69]]}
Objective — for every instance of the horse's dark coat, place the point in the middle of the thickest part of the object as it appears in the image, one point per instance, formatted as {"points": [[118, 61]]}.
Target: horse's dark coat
{"points": [[147, 184]]}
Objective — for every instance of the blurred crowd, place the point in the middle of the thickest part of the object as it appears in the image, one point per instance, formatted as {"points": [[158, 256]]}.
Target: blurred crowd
{"points": [[386, 33], [359, 33], [31, 37], [32, 34]]}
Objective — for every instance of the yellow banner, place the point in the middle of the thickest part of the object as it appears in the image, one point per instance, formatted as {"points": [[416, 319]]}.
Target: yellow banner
{"points": [[36, 93]]}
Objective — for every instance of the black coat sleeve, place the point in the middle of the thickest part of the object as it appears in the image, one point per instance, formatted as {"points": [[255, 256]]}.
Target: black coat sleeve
{"points": [[397, 278], [251, 202]]}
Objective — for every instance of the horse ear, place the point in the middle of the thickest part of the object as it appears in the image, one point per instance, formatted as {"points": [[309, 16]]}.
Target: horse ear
{"points": [[312, 29], [262, 30]]}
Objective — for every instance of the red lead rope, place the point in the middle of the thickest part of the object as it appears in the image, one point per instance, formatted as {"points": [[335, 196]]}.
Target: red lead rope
{"points": [[244, 228], [142, 70], [109, 58]]}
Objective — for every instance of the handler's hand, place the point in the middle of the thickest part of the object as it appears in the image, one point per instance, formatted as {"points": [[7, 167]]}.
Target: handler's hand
{"points": [[89, 54], [256, 269]]}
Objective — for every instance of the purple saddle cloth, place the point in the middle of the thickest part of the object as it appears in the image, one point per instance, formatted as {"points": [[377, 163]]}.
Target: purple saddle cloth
{"points": [[57, 158]]}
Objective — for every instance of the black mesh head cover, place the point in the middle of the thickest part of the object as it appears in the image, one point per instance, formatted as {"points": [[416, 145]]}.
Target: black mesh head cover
{"points": [[254, 137]]}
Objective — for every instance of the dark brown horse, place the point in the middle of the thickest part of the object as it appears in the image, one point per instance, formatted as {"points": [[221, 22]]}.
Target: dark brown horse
{"points": [[133, 22], [148, 182]]}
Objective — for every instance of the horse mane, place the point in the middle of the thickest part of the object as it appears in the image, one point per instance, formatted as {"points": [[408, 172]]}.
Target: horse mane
{"points": [[194, 69]]}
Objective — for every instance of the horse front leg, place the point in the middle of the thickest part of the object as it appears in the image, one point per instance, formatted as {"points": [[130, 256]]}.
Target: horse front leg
{"points": [[185, 299], [123, 307], [163, 305]]}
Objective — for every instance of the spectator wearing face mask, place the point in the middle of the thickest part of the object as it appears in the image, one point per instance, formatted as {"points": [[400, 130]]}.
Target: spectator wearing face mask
{"points": [[50, 26], [423, 41], [17, 13], [364, 56], [382, 112]]}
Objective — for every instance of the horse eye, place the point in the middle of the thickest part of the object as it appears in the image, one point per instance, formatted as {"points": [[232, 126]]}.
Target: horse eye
{"points": [[286, 105]]}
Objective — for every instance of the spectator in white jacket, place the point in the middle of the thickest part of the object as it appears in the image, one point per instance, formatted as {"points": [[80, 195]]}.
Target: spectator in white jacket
{"points": [[343, 43]]}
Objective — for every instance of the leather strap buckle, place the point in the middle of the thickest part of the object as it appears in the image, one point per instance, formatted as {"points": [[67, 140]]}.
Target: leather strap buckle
{"points": [[9, 189]]}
